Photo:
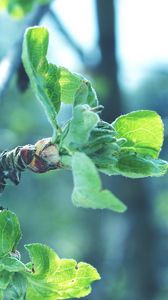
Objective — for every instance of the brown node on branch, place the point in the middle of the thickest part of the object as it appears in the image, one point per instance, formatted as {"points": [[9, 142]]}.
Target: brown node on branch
{"points": [[39, 158], [46, 157]]}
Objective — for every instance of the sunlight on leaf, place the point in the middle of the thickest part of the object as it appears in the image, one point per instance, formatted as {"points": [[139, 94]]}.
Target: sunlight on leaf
{"points": [[55, 278], [43, 76], [52, 85], [143, 130]]}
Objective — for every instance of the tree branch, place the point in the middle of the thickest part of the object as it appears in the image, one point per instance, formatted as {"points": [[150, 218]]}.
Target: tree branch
{"points": [[12, 60], [39, 158]]}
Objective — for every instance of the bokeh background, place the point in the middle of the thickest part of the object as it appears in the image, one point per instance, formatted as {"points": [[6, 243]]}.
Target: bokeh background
{"points": [[122, 47]]}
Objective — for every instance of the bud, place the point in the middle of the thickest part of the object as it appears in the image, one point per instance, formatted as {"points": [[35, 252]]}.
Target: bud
{"points": [[46, 157]]}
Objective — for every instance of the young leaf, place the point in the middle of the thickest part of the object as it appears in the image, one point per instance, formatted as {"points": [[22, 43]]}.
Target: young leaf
{"points": [[106, 159], [69, 84], [54, 278], [5, 278], [12, 264], [143, 130], [85, 94], [52, 85], [82, 123], [43, 76], [87, 186], [136, 166], [16, 290], [10, 232]]}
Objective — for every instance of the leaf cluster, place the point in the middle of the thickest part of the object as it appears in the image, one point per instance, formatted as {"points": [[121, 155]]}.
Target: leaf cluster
{"points": [[128, 146], [46, 276]]}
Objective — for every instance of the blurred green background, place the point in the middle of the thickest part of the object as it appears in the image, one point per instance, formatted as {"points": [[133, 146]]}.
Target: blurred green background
{"points": [[122, 47]]}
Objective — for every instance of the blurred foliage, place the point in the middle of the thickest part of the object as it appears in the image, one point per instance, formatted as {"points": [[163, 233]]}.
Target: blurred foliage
{"points": [[19, 8]]}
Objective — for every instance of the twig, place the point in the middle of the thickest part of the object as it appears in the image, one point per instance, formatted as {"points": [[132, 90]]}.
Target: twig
{"points": [[12, 60], [39, 158]]}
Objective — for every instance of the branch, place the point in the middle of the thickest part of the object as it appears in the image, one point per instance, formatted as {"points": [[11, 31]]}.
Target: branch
{"points": [[12, 60], [39, 158], [58, 24]]}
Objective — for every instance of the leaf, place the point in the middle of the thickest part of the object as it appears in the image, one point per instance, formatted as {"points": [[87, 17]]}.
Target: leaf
{"points": [[85, 94], [1, 294], [88, 192], [69, 83], [51, 84], [5, 278], [16, 290], [10, 232], [82, 123], [143, 130], [19, 8], [106, 159], [76, 89], [135, 166], [12, 264], [56, 278], [44, 77]]}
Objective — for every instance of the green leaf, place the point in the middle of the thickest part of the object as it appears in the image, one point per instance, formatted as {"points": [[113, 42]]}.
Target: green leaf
{"points": [[51, 84], [54, 278], [10, 232], [88, 191], [76, 89], [16, 290], [19, 8], [82, 123], [69, 83], [44, 77], [135, 166], [85, 94], [1, 294], [12, 264], [5, 278], [106, 159], [143, 130]]}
